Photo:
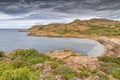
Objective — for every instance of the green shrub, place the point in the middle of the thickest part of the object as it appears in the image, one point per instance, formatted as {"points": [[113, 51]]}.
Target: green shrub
{"points": [[19, 64], [63, 70], [110, 59], [30, 56], [4, 66], [49, 77], [107, 70], [2, 54], [82, 74], [20, 74], [82, 69], [104, 77], [103, 64], [116, 73], [36, 60], [61, 62], [94, 71], [42, 68], [68, 76], [1, 59], [24, 53], [17, 71], [54, 65]]}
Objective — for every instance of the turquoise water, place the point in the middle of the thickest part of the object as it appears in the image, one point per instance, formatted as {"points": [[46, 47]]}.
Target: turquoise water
{"points": [[12, 39]]}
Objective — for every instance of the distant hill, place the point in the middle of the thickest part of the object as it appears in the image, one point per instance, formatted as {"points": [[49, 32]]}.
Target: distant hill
{"points": [[101, 27]]}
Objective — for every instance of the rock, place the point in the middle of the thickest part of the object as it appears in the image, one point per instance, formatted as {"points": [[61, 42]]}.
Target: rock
{"points": [[89, 62], [37, 66], [111, 45], [60, 54], [75, 60]]}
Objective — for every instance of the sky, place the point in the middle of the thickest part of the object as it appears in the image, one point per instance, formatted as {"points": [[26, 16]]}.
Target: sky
{"points": [[25, 13]]}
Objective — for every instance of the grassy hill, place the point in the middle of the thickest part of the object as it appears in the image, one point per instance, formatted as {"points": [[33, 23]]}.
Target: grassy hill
{"points": [[100, 27]]}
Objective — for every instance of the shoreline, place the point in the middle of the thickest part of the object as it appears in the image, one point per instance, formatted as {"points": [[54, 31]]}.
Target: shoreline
{"points": [[108, 45], [111, 44]]}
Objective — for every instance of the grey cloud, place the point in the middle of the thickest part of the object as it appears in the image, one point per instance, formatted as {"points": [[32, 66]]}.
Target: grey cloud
{"points": [[43, 9]]}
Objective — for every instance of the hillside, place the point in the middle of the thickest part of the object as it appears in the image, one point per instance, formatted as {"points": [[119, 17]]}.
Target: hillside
{"points": [[77, 28], [30, 64]]}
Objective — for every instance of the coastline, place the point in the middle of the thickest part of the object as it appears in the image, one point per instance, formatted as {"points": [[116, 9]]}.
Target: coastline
{"points": [[111, 44]]}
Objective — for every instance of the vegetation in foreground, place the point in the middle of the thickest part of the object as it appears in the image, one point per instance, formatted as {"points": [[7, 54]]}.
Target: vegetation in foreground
{"points": [[30, 64]]}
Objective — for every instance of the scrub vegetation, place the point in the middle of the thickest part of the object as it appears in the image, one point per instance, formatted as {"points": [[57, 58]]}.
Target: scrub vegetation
{"points": [[29, 64]]}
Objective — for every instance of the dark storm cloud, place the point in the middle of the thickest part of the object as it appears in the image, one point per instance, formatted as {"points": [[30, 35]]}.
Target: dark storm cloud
{"points": [[61, 10]]}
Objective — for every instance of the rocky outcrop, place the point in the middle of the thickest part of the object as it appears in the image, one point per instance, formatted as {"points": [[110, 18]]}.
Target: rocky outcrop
{"points": [[61, 54], [75, 60]]}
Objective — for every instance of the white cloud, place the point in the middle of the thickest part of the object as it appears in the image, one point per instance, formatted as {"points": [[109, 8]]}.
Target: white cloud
{"points": [[26, 23], [6, 16]]}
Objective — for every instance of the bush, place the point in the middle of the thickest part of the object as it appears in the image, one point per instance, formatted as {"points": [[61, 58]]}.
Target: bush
{"points": [[54, 65], [110, 59], [83, 69], [104, 77], [4, 66], [107, 70], [94, 71], [61, 62], [2, 54], [20, 74], [19, 64], [84, 74], [62, 70], [49, 77], [116, 73], [30, 56], [17, 71], [36, 60], [68, 76], [23, 53]]}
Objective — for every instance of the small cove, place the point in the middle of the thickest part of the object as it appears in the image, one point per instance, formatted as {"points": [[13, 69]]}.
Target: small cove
{"points": [[11, 39]]}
